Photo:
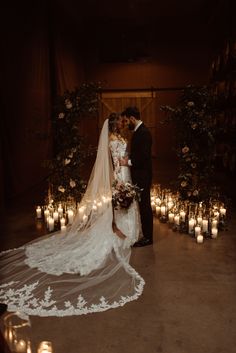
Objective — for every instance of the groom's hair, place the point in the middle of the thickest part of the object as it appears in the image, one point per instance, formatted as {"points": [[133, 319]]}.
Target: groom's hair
{"points": [[132, 111]]}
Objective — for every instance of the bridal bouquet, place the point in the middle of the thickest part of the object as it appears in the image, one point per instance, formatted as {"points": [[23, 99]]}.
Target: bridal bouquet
{"points": [[123, 194]]}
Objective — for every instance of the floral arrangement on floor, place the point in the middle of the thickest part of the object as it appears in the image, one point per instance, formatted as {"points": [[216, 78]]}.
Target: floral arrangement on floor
{"points": [[194, 122], [70, 149], [123, 194]]}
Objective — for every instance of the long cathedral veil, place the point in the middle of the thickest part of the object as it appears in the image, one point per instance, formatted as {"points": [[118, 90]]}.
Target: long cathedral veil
{"points": [[82, 271]]}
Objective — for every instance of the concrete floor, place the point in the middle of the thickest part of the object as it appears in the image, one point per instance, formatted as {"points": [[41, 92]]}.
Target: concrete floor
{"points": [[188, 304]]}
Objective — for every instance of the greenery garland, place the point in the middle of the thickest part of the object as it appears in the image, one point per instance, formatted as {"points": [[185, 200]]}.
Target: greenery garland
{"points": [[195, 127], [70, 150]]}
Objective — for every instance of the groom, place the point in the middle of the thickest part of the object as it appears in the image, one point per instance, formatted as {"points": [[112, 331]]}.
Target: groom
{"points": [[140, 161]]}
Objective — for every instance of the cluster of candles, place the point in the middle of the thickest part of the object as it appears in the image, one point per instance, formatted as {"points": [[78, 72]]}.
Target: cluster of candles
{"points": [[196, 219], [17, 335], [58, 216]]}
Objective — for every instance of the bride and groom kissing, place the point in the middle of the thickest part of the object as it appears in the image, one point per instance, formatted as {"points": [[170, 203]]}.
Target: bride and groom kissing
{"points": [[140, 163], [86, 269]]}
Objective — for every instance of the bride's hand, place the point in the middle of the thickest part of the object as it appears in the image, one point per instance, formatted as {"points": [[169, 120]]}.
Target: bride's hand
{"points": [[124, 161], [118, 232]]}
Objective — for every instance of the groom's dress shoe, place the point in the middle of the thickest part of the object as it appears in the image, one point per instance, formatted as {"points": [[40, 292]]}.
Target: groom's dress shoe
{"points": [[143, 242]]}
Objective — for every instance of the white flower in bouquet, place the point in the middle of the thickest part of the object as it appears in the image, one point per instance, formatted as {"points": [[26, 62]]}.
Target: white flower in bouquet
{"points": [[61, 188], [71, 155], [72, 183], [68, 104]]}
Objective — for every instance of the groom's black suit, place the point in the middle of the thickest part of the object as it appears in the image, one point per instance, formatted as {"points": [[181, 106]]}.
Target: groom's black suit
{"points": [[141, 172]]}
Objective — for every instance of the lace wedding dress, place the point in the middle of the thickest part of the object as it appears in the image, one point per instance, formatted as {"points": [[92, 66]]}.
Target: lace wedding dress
{"points": [[86, 269]]}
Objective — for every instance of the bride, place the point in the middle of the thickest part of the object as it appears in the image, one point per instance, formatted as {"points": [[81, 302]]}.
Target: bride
{"points": [[86, 269]]}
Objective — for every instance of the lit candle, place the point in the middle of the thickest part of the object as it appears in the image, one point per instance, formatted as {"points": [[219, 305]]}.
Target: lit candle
{"points": [[50, 224], [171, 217], [60, 211], [217, 215], [158, 210], [158, 201], [39, 212], [176, 218], [62, 221], [197, 230], [20, 346], [199, 238], [223, 211], [55, 216], [46, 213], [182, 215], [214, 232], [63, 228], [191, 224], [153, 205], [28, 347], [45, 347], [163, 210], [214, 223], [70, 216], [199, 220], [204, 225]]}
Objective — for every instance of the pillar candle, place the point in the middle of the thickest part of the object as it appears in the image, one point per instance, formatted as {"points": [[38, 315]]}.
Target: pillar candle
{"points": [[62, 221], [204, 225], [171, 217], [199, 238], [55, 216], [176, 218], [46, 213], [38, 212], [60, 211], [153, 205], [20, 346], [158, 210], [214, 223], [70, 214], [191, 223], [63, 228], [182, 215], [223, 211], [199, 220], [197, 230], [214, 232], [50, 224], [163, 210]]}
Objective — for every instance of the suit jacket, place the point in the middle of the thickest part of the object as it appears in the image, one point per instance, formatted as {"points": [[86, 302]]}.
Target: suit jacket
{"points": [[141, 157]]}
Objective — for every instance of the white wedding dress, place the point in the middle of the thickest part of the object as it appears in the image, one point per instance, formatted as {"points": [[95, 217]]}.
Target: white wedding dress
{"points": [[86, 269]]}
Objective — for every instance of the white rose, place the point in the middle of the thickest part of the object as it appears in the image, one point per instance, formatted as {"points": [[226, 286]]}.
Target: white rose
{"points": [[61, 189], [72, 183], [61, 116], [190, 104], [67, 161], [68, 104]]}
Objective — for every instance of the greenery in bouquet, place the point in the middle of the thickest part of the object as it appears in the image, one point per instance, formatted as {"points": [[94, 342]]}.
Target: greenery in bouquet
{"points": [[70, 148], [123, 194], [194, 122]]}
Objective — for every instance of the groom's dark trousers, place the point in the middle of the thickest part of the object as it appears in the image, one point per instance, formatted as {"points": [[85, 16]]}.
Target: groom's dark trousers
{"points": [[141, 172]]}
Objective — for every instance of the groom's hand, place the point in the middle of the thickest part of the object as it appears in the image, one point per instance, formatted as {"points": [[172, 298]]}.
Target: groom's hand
{"points": [[124, 161]]}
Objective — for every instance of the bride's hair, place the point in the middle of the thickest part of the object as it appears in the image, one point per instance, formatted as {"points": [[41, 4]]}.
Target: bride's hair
{"points": [[112, 120]]}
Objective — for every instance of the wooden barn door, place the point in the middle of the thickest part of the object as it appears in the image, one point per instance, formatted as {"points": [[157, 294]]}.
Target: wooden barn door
{"points": [[146, 102]]}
